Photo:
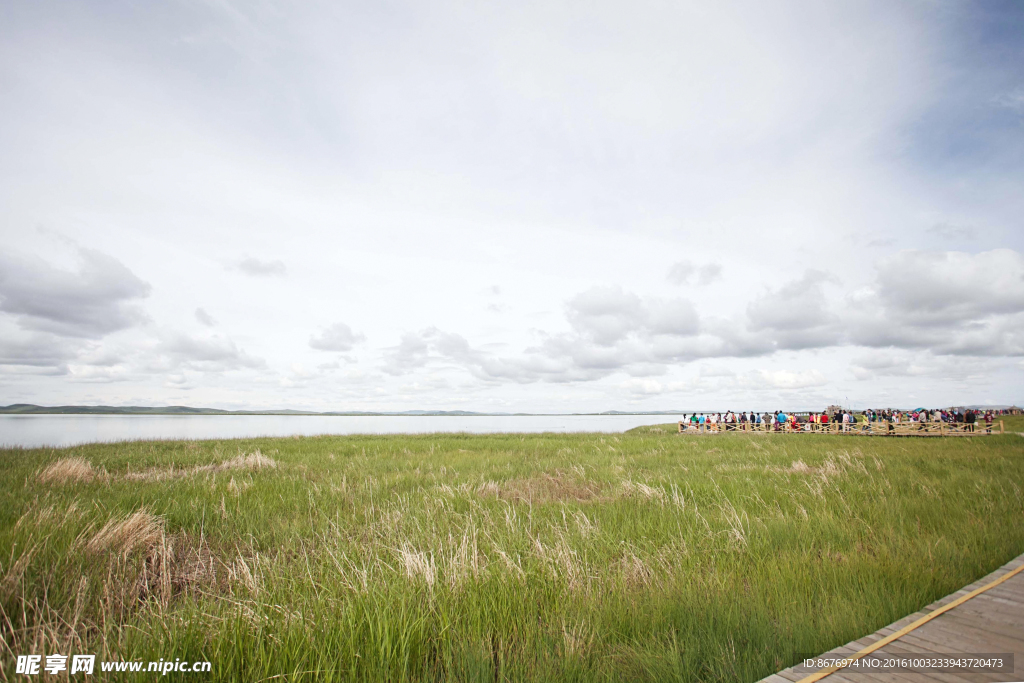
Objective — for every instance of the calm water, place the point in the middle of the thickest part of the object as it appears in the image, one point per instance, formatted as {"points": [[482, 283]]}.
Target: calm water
{"points": [[67, 430]]}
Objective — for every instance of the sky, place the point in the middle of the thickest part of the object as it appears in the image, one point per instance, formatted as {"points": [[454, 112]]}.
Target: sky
{"points": [[512, 207]]}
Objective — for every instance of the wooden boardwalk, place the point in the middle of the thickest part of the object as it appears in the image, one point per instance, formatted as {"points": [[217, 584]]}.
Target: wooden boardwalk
{"points": [[910, 429], [990, 622]]}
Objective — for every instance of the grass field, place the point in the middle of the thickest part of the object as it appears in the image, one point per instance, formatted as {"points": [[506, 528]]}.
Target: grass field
{"points": [[642, 556]]}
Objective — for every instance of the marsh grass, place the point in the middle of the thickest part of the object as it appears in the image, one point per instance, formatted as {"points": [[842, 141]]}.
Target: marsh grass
{"points": [[643, 556]]}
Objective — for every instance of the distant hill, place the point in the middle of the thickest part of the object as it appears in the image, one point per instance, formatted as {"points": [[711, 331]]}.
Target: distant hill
{"points": [[1000, 407], [31, 409], [642, 412]]}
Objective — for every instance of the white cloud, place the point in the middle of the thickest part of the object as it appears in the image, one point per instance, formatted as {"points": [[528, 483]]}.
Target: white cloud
{"points": [[616, 331], [786, 379], [205, 318], [951, 286], [606, 314], [38, 351], [715, 371], [646, 387], [516, 198], [684, 272], [337, 337], [1012, 99], [90, 302], [411, 353], [258, 268], [801, 314], [680, 273], [951, 232], [948, 302], [209, 354]]}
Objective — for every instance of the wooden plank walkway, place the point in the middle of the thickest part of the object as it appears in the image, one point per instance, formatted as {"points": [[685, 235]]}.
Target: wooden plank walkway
{"points": [[904, 429], [990, 622]]}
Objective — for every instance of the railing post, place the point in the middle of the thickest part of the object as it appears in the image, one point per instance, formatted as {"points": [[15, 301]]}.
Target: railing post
{"points": [[1001, 427]]}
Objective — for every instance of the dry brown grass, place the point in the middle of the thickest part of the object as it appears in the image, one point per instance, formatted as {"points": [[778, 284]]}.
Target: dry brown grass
{"points": [[565, 563], [239, 572], [148, 564], [252, 462], [12, 577], [635, 489], [68, 470], [577, 639], [155, 474], [836, 464], [138, 529], [464, 562], [170, 566], [634, 571], [75, 469], [179, 565], [560, 486], [418, 565], [800, 467], [140, 567]]}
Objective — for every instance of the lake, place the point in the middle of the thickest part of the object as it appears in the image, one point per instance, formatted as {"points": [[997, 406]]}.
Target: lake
{"points": [[29, 431]]}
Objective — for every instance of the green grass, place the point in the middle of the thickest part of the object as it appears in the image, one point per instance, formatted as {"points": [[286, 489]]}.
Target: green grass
{"points": [[581, 557], [1012, 423]]}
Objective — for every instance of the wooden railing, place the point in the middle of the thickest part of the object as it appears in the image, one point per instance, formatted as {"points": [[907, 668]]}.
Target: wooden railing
{"points": [[877, 428]]}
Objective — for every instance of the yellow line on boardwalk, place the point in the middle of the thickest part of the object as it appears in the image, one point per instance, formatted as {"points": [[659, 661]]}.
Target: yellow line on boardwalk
{"points": [[818, 675]]}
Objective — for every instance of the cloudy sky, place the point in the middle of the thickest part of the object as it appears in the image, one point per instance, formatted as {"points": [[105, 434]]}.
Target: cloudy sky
{"points": [[540, 206]]}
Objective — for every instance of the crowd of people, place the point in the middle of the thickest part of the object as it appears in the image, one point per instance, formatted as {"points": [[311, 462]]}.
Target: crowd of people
{"points": [[837, 420]]}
